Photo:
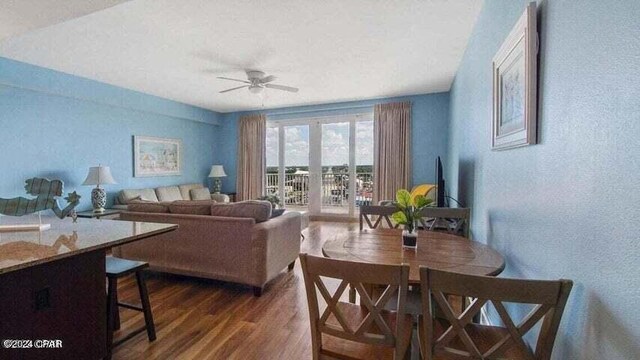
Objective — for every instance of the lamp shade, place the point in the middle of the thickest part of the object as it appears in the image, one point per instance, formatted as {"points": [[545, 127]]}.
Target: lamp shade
{"points": [[99, 175], [217, 171]]}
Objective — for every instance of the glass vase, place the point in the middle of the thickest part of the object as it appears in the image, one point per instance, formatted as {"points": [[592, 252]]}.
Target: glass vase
{"points": [[410, 237]]}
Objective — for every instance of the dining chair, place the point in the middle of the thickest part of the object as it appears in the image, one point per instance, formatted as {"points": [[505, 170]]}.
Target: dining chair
{"points": [[462, 339], [349, 331], [451, 220], [380, 212], [367, 214]]}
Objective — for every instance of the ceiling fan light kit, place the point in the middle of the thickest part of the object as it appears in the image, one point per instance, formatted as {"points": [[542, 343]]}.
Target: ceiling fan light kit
{"points": [[257, 81], [255, 89]]}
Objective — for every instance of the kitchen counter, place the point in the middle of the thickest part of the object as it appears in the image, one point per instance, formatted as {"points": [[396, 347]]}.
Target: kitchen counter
{"points": [[66, 238], [52, 284]]}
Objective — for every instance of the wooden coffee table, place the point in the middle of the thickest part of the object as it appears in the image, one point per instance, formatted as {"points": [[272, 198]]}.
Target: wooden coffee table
{"points": [[435, 250]]}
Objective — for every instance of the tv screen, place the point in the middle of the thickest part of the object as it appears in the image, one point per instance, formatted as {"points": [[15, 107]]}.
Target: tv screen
{"points": [[440, 193]]}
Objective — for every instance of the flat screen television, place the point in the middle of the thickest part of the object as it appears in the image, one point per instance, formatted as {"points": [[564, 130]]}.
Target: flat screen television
{"points": [[440, 197]]}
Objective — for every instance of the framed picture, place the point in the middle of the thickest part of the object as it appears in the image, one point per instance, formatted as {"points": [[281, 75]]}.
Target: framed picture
{"points": [[515, 84], [154, 156]]}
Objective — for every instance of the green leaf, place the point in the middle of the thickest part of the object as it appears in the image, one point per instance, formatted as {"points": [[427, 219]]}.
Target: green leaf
{"points": [[421, 201], [399, 217], [403, 198]]}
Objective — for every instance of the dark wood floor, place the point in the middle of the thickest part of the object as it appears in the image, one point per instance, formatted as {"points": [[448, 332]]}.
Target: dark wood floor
{"points": [[205, 319]]}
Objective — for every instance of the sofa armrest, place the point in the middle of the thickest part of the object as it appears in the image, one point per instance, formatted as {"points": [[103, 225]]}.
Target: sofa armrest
{"points": [[276, 244]]}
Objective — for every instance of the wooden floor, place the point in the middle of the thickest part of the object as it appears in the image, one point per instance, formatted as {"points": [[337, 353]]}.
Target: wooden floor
{"points": [[206, 319]]}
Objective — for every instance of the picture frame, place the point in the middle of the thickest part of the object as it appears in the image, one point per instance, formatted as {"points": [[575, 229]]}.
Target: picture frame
{"points": [[515, 73], [155, 156]]}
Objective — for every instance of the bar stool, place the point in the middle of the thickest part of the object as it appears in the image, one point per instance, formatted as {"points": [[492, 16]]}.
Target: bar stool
{"points": [[117, 268]]}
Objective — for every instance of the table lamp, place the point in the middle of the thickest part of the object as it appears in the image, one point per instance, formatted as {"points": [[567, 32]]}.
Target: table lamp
{"points": [[99, 175], [217, 171]]}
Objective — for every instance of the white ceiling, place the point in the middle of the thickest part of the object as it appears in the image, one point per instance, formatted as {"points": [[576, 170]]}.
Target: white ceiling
{"points": [[20, 16], [333, 50]]}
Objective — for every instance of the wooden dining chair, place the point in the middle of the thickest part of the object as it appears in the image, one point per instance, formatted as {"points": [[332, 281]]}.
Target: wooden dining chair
{"points": [[373, 216], [450, 220], [349, 331], [462, 339]]}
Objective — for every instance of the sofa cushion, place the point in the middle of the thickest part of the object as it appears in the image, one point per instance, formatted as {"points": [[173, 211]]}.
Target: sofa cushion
{"points": [[128, 195], [148, 206], [169, 193], [191, 207], [256, 209], [200, 194], [185, 191]]}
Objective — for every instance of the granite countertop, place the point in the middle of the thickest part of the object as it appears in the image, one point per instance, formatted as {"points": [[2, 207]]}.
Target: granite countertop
{"points": [[19, 250]]}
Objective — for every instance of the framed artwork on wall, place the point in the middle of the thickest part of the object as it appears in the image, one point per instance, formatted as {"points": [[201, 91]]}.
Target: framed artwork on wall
{"points": [[153, 156], [515, 85]]}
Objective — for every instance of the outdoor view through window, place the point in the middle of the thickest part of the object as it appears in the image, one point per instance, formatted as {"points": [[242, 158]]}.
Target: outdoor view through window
{"points": [[324, 165]]}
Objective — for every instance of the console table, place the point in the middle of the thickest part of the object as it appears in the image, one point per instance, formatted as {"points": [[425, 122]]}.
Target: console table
{"points": [[52, 285]]}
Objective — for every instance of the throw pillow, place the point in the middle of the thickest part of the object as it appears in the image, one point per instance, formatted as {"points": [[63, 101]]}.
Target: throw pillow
{"points": [[200, 194], [276, 212], [258, 210], [148, 206]]}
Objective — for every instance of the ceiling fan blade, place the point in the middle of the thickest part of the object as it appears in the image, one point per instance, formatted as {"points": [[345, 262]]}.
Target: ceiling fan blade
{"points": [[267, 79], [235, 88], [242, 81], [281, 87]]}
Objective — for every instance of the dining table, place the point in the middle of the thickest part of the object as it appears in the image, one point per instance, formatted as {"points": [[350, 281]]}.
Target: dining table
{"points": [[436, 250]]}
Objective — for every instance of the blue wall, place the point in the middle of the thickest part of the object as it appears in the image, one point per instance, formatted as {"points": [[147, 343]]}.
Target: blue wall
{"points": [[569, 206], [430, 117], [56, 125]]}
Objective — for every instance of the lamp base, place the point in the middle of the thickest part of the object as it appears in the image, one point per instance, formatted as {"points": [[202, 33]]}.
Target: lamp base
{"points": [[98, 199], [217, 185]]}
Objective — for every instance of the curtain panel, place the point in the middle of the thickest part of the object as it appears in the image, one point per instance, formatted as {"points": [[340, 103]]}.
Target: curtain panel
{"points": [[392, 149], [251, 157]]}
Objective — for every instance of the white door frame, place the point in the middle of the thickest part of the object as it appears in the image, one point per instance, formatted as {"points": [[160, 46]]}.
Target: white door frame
{"points": [[315, 155]]}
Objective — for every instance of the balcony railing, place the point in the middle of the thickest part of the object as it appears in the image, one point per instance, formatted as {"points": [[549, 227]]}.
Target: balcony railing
{"points": [[334, 191]]}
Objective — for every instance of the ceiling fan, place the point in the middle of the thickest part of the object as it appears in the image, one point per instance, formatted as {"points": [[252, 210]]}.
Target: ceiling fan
{"points": [[257, 81]]}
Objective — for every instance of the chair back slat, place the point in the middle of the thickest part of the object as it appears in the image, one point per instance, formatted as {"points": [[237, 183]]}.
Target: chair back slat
{"points": [[549, 297], [380, 274], [371, 328], [486, 287]]}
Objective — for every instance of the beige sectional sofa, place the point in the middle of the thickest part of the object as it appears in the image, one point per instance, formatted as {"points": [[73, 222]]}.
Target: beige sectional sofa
{"points": [[164, 194], [237, 242]]}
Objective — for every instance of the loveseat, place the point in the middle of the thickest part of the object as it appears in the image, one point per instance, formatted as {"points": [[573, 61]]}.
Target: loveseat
{"points": [[237, 242]]}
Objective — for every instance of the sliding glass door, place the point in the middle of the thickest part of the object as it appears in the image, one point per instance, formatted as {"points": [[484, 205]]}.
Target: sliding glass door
{"points": [[323, 165], [336, 168], [288, 164]]}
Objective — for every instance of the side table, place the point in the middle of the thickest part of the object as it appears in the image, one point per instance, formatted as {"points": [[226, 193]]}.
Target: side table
{"points": [[221, 198], [108, 214]]}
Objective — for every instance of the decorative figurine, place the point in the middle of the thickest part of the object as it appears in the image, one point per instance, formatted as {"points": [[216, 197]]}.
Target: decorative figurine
{"points": [[46, 192]]}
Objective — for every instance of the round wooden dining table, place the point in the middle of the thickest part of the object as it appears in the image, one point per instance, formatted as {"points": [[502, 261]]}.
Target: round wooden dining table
{"points": [[435, 250]]}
